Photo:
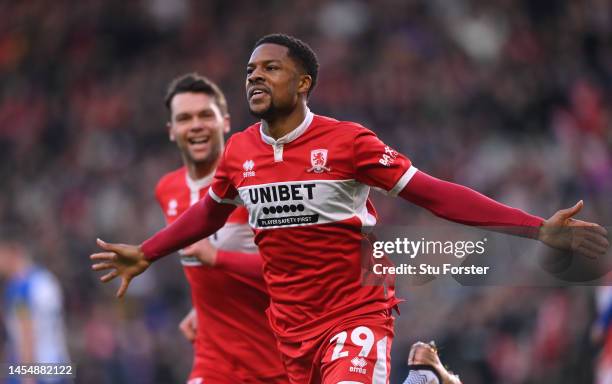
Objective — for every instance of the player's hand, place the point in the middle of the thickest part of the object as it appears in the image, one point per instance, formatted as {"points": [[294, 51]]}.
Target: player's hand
{"points": [[426, 367], [562, 231], [424, 353], [189, 325], [203, 250], [124, 260]]}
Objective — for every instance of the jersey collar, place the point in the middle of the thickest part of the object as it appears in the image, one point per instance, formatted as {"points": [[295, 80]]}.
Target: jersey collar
{"points": [[199, 183], [289, 137]]}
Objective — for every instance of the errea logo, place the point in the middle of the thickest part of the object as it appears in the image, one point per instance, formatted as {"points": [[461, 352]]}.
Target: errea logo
{"points": [[248, 168], [172, 208], [359, 364]]}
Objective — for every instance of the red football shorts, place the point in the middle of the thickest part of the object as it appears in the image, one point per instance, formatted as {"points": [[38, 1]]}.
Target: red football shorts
{"points": [[203, 374], [355, 351]]}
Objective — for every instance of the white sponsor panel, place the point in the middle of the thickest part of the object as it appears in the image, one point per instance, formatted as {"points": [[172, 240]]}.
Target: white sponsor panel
{"points": [[307, 202]]}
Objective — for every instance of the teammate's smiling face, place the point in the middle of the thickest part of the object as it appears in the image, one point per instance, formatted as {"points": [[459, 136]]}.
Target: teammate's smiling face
{"points": [[197, 126], [274, 81]]}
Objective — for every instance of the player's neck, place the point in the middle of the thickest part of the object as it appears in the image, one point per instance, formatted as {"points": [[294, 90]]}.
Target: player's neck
{"points": [[197, 171], [282, 125]]}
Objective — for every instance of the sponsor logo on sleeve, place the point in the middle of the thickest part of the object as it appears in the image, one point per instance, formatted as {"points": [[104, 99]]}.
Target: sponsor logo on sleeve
{"points": [[388, 157]]}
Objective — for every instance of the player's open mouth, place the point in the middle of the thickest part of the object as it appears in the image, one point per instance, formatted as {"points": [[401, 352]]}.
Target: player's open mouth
{"points": [[199, 140], [257, 93]]}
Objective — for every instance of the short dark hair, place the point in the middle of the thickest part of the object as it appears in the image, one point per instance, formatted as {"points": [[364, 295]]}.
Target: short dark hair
{"points": [[298, 50], [196, 83]]}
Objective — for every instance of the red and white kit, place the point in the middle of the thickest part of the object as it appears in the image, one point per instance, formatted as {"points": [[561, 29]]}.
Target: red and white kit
{"points": [[234, 342], [307, 198]]}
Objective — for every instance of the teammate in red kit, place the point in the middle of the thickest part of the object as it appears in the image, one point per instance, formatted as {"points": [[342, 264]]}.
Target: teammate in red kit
{"points": [[305, 180], [233, 342]]}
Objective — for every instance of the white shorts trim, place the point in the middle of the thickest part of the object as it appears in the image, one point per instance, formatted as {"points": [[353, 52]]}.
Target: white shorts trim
{"points": [[380, 374]]}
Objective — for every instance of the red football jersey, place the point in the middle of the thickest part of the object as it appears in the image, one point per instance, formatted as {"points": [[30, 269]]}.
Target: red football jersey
{"points": [[307, 197], [233, 334]]}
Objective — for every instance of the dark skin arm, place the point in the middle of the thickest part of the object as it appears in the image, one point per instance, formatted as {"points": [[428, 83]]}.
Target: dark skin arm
{"points": [[562, 231]]}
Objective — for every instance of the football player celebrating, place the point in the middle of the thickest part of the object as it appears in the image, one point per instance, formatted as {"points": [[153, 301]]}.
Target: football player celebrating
{"points": [[305, 180], [232, 340]]}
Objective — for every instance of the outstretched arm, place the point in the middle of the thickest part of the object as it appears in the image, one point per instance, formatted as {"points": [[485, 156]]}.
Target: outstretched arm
{"points": [[199, 221], [463, 205], [127, 261], [380, 166]]}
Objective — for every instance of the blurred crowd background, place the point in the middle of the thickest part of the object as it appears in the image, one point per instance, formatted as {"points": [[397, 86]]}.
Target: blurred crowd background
{"points": [[509, 97]]}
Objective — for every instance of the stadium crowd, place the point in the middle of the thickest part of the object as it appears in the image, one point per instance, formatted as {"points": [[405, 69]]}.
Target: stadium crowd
{"points": [[511, 98]]}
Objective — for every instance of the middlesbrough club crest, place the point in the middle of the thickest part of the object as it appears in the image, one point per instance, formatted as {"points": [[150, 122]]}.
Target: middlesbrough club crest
{"points": [[318, 160]]}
